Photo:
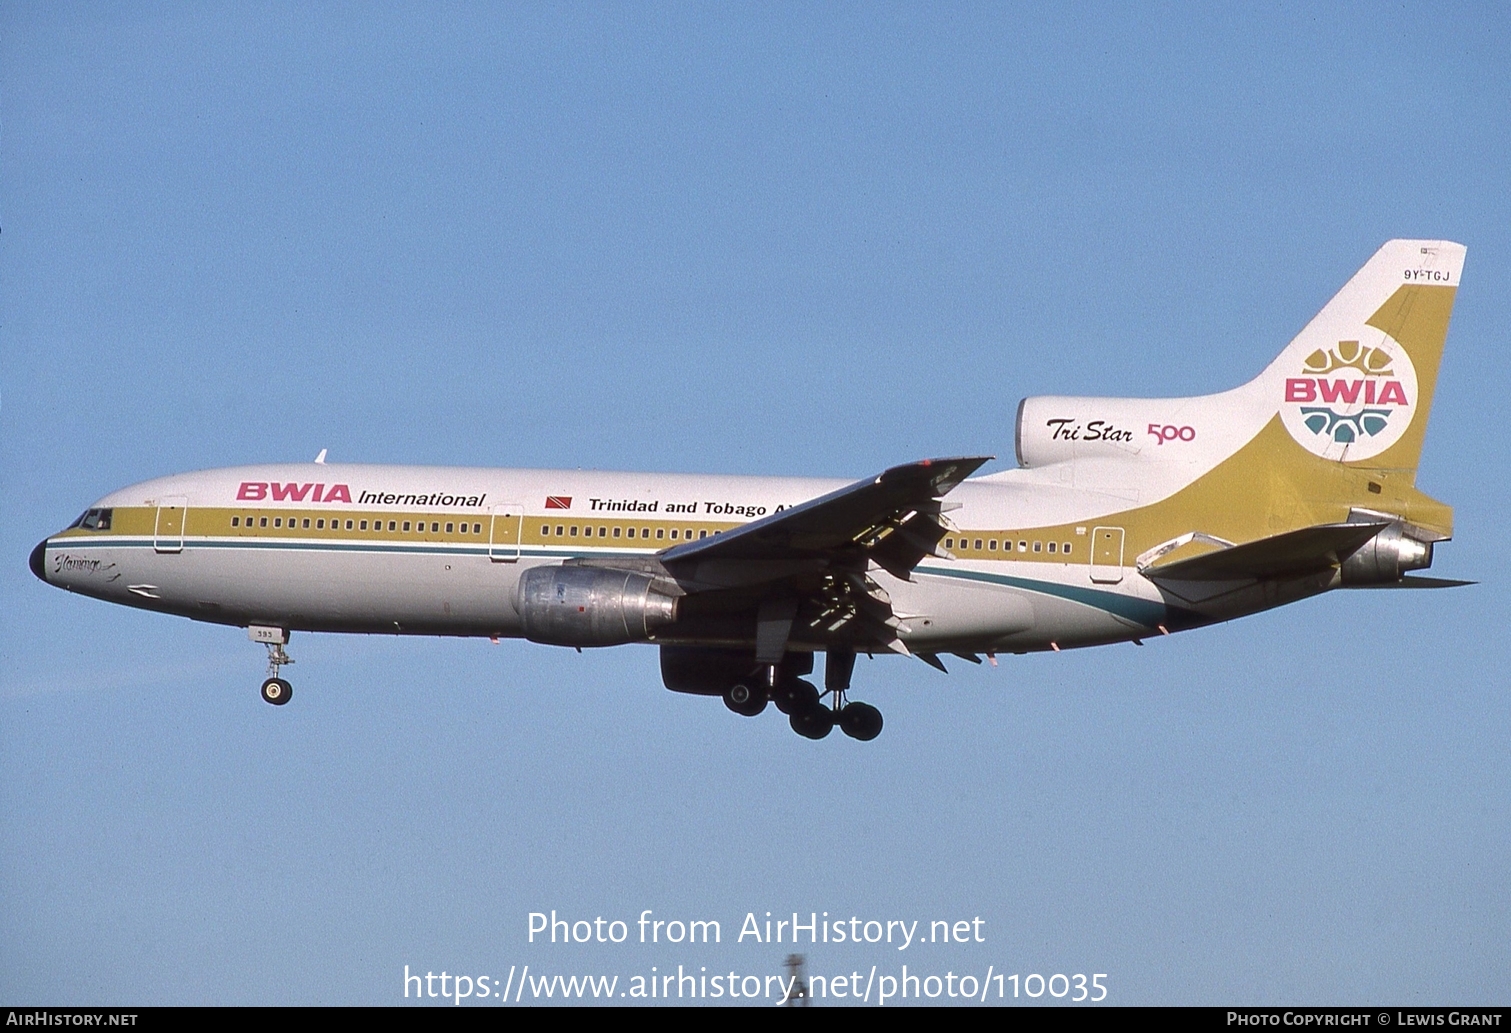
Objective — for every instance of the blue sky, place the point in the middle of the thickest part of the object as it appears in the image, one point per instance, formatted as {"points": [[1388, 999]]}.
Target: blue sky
{"points": [[756, 239]]}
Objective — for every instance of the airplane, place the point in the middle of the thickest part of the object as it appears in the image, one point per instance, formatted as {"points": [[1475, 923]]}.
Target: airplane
{"points": [[1125, 519]]}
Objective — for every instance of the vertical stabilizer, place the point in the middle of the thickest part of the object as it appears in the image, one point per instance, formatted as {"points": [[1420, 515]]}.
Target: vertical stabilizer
{"points": [[1356, 384]]}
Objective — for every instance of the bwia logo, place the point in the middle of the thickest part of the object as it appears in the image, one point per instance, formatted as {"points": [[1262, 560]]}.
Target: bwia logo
{"points": [[257, 491], [1351, 401]]}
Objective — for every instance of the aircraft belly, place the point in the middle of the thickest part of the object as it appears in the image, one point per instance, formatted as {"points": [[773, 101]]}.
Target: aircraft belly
{"points": [[1020, 606], [305, 589], [942, 610]]}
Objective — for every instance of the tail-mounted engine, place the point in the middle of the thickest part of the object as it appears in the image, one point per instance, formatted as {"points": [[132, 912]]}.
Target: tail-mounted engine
{"points": [[593, 606], [1386, 557]]}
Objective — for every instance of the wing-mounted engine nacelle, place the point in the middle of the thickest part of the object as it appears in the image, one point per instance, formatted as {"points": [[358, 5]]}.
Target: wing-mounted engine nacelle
{"points": [[1386, 557], [592, 606]]}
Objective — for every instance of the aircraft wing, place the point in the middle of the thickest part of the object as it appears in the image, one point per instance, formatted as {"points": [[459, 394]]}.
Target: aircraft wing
{"points": [[807, 565], [894, 518]]}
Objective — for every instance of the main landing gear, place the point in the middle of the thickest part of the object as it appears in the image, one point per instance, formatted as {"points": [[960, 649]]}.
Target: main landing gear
{"points": [[275, 690], [806, 710]]}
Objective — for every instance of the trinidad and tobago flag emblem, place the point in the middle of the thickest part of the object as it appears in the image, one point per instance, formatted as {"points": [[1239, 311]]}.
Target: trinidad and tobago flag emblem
{"points": [[558, 502]]}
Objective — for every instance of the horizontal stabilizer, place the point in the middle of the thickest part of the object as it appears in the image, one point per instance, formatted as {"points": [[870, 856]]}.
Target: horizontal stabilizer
{"points": [[1420, 582], [1293, 554]]}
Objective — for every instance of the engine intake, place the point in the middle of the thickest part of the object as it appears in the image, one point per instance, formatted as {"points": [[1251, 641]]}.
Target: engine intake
{"points": [[1386, 557], [592, 606]]}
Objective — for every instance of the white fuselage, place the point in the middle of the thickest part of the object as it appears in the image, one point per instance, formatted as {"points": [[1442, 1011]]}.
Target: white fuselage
{"points": [[439, 551]]}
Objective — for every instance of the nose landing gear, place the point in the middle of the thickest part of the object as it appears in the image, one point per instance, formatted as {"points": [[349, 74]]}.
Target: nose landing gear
{"points": [[275, 690]]}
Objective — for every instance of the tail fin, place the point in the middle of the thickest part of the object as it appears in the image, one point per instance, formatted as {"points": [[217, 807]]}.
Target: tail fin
{"points": [[1334, 425], [1356, 384]]}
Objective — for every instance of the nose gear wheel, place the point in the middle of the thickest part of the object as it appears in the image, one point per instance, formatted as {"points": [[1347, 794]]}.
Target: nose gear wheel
{"points": [[276, 690]]}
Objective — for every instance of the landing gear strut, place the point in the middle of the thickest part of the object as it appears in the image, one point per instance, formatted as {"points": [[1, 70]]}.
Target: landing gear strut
{"points": [[857, 720], [275, 690], [811, 718]]}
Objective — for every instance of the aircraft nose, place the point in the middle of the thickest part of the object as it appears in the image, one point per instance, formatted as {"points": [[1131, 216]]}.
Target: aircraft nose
{"points": [[39, 560]]}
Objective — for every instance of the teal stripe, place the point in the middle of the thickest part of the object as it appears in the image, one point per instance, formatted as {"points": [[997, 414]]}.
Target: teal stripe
{"points": [[1139, 611], [1131, 608]]}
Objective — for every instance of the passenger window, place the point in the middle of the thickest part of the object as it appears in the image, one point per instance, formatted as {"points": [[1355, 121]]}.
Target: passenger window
{"points": [[991, 545], [645, 532], [1065, 548], [603, 532], [949, 543], [1037, 546], [348, 525], [630, 533], [262, 521], [477, 528], [702, 534], [616, 532], [660, 531], [449, 526], [560, 530], [363, 526], [1022, 546], [1007, 545], [572, 532], [278, 521], [674, 534], [1051, 546], [236, 521], [320, 524], [545, 530], [978, 543]]}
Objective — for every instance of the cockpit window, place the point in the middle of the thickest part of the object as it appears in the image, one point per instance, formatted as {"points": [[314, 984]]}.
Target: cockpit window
{"points": [[95, 520]]}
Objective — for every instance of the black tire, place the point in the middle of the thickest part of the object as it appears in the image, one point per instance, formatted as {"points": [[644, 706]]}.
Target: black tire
{"points": [[860, 721], [746, 698], [277, 691], [794, 696], [813, 723]]}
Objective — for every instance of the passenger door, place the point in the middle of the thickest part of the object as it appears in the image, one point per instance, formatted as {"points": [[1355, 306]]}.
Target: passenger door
{"points": [[168, 531], [504, 533], [1106, 555]]}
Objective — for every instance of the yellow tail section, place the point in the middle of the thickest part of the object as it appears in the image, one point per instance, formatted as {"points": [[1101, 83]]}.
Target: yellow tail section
{"points": [[1354, 391], [1416, 316], [1333, 426]]}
